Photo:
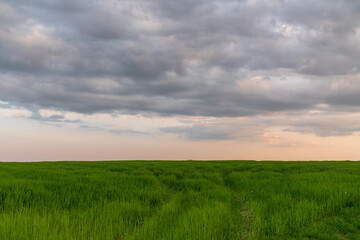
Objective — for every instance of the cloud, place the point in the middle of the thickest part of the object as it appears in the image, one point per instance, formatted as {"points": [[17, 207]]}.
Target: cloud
{"points": [[274, 130], [195, 58], [198, 132], [246, 130], [326, 126], [112, 130], [58, 118], [4, 105]]}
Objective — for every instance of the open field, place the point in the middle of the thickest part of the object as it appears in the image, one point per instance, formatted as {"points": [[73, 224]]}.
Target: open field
{"points": [[180, 200]]}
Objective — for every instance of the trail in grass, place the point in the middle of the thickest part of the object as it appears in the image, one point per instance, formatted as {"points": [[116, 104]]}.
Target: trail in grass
{"points": [[199, 209], [288, 201]]}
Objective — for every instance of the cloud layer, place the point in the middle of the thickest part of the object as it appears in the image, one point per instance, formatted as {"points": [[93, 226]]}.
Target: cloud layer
{"points": [[182, 58]]}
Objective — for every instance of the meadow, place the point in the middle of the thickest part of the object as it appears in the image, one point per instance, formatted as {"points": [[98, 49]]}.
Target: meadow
{"points": [[155, 200]]}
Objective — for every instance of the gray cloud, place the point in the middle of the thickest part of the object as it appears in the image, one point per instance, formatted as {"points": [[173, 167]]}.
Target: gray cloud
{"points": [[260, 128], [4, 105], [326, 128], [58, 118], [196, 58], [198, 132], [109, 129], [245, 131]]}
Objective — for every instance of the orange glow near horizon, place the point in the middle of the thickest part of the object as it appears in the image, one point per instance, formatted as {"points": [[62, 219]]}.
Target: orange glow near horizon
{"points": [[38, 142]]}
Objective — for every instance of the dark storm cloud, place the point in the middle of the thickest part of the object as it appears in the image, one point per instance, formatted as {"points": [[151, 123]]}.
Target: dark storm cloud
{"points": [[198, 58]]}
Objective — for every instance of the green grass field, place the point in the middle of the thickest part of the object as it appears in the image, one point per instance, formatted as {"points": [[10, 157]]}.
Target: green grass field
{"points": [[180, 200]]}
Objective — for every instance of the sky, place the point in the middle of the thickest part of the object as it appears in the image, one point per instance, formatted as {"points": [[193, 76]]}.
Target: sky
{"points": [[170, 79]]}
